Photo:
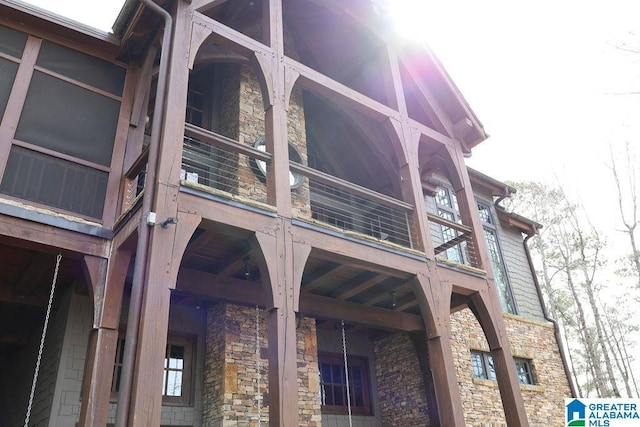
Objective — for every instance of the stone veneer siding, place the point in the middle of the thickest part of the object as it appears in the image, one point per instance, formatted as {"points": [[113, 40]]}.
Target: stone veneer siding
{"points": [[243, 118], [544, 401], [231, 369], [401, 391]]}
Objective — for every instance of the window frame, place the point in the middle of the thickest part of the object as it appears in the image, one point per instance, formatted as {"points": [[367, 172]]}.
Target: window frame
{"points": [[337, 359], [489, 227], [184, 340], [488, 370], [451, 212], [26, 72]]}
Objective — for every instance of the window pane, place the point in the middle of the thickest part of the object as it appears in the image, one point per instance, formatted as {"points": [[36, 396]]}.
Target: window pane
{"points": [[176, 357], [357, 396], [8, 72], [478, 366], [442, 197], [174, 383], [54, 182], [491, 370], [337, 377], [68, 119], [338, 395], [325, 373], [499, 272], [12, 42], [79, 66], [485, 215], [523, 368]]}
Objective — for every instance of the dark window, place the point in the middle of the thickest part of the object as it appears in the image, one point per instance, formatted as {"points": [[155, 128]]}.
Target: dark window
{"points": [[482, 363], [333, 384], [483, 368], [12, 42], [524, 370], [497, 262], [8, 72], [62, 117], [176, 375], [55, 182], [83, 68]]}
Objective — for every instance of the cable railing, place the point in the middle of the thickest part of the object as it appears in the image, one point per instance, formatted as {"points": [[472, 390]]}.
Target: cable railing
{"points": [[453, 241], [218, 162], [357, 209]]}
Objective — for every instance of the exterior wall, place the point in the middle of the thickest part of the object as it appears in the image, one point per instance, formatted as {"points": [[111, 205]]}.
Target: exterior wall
{"points": [[520, 274], [401, 388], [544, 401], [515, 260], [358, 345], [66, 404], [190, 322], [43, 410], [18, 370], [232, 381], [57, 399]]}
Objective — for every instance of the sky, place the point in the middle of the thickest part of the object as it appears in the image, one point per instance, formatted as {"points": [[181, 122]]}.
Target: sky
{"points": [[547, 79], [549, 82]]}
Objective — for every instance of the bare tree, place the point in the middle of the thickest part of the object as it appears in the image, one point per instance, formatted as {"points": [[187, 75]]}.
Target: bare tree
{"points": [[628, 205], [569, 253]]}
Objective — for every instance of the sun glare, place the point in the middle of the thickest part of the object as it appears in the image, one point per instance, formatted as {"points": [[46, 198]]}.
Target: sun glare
{"points": [[410, 18]]}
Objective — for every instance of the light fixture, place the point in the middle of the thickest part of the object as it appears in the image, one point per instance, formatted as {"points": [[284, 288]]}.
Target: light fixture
{"points": [[247, 271], [394, 304], [170, 220]]}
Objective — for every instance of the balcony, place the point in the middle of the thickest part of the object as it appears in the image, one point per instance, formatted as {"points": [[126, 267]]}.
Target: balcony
{"points": [[216, 164]]}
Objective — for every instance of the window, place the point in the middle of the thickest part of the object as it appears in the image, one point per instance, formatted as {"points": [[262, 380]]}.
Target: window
{"points": [[333, 385], [482, 363], [497, 263], [176, 375], [447, 206], [525, 373]]}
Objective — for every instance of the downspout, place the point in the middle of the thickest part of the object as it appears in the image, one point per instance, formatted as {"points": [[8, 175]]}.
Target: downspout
{"points": [[135, 302], [545, 313]]}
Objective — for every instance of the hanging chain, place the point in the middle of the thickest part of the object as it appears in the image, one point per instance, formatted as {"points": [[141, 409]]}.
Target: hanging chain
{"points": [[258, 395], [346, 372], [44, 334]]}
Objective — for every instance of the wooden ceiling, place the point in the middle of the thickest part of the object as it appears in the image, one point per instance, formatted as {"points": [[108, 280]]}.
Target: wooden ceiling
{"points": [[26, 275], [219, 265]]}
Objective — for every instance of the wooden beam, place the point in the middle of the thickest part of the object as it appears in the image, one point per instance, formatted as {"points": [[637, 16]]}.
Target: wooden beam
{"points": [[230, 37], [407, 305], [365, 315], [429, 103], [226, 289], [339, 93], [234, 263], [33, 273], [359, 255], [198, 243], [41, 234], [225, 213], [315, 278], [8, 296], [360, 284]]}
